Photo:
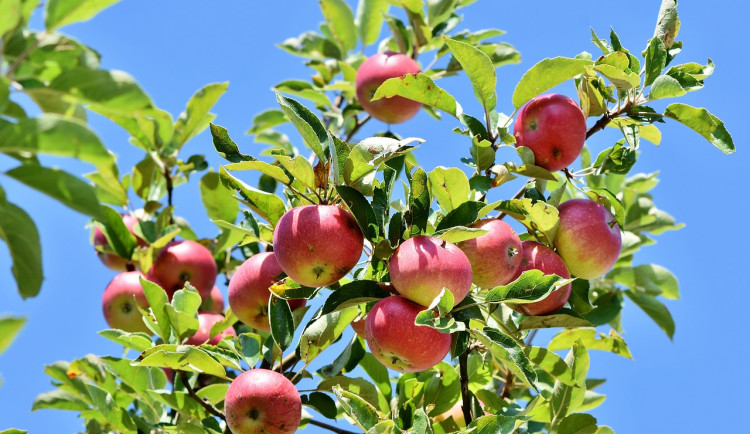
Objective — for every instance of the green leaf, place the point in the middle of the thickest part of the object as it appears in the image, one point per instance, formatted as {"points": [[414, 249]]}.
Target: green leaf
{"points": [[508, 351], [10, 17], [118, 235], [183, 358], [322, 403], [539, 216], [340, 21], [315, 135], [353, 294], [568, 320], [312, 45], [195, 117], [267, 119], [59, 400], [359, 386], [282, 322], [157, 299], [456, 234], [213, 393], [449, 186], [565, 398], [545, 75], [656, 60], [136, 341], [116, 91], [665, 87], [529, 287], [9, 328], [378, 373], [59, 185], [363, 414], [494, 424], [323, 331], [19, 232], [274, 172], [420, 88], [419, 203], [551, 363], [369, 154], [578, 423], [668, 23], [225, 146], [651, 278], [268, 206], [299, 168], [183, 310], [440, 10], [249, 346], [369, 19], [304, 89], [63, 12], [703, 123], [621, 79], [217, 198], [464, 215], [612, 343], [480, 70], [361, 210], [655, 309]]}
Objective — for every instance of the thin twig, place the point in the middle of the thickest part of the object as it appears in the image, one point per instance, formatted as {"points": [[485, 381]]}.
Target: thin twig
{"points": [[191, 392], [12, 68], [356, 128], [463, 363], [329, 427]]}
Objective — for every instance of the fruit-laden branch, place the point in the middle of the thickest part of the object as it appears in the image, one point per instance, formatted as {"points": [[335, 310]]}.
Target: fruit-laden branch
{"points": [[191, 392], [463, 360], [607, 118], [329, 427]]}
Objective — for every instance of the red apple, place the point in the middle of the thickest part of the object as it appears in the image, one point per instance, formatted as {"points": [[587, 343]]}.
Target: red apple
{"points": [[536, 256], [248, 290], [108, 257], [554, 128], [185, 261], [494, 256], [121, 300], [214, 303], [206, 321], [262, 401], [422, 266], [316, 245], [397, 342], [588, 238], [372, 73]]}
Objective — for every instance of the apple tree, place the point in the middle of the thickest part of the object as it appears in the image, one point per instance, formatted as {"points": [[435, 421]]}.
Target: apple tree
{"points": [[444, 296]]}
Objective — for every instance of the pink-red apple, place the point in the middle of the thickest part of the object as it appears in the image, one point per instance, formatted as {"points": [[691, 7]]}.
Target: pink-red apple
{"points": [[206, 321], [554, 128], [536, 256], [372, 73], [108, 257], [214, 303], [248, 290], [397, 342], [316, 245], [262, 401], [422, 266], [494, 256], [185, 261], [588, 238], [121, 300]]}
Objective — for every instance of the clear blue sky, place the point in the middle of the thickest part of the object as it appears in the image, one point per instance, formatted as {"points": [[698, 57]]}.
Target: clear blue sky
{"points": [[174, 48]]}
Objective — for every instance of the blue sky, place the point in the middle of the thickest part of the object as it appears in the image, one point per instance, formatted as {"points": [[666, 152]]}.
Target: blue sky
{"points": [[174, 49]]}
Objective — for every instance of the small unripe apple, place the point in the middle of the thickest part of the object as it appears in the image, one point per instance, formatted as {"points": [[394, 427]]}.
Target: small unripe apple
{"points": [[262, 401], [397, 342], [588, 238], [494, 256], [372, 73], [316, 245], [109, 258], [554, 128], [214, 303], [536, 256], [121, 300], [185, 261], [248, 290], [422, 266], [206, 321]]}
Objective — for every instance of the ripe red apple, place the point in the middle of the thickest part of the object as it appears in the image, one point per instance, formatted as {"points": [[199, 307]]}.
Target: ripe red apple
{"points": [[262, 401], [422, 266], [214, 303], [121, 300], [206, 320], [248, 290], [397, 342], [536, 256], [588, 238], [185, 261], [108, 257], [494, 256], [372, 73], [316, 245], [554, 128]]}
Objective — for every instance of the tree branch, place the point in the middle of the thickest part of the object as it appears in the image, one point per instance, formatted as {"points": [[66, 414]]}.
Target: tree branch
{"points": [[463, 365], [356, 128], [191, 392], [329, 427], [12, 68]]}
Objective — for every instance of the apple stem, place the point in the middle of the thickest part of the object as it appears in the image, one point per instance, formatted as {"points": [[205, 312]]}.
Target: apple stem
{"points": [[329, 427], [191, 392], [463, 362]]}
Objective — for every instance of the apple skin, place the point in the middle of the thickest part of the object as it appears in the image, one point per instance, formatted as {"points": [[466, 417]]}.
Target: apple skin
{"points": [[206, 320], [372, 73], [359, 325], [494, 256], [554, 128], [316, 245], [214, 303], [110, 259], [536, 256], [262, 401], [248, 290], [120, 308], [185, 261], [422, 266], [397, 342], [588, 238]]}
